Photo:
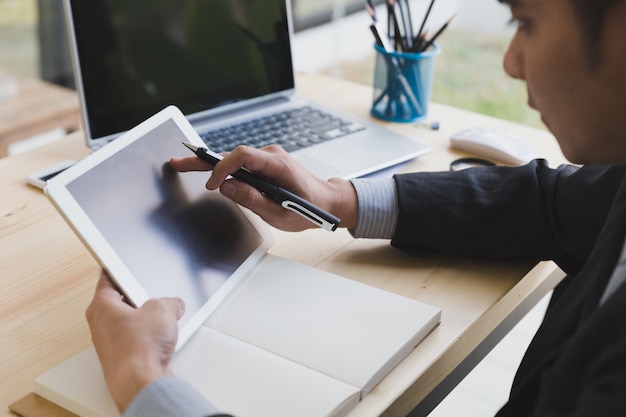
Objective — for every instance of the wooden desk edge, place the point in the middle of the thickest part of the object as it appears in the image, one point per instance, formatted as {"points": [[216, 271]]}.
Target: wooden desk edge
{"points": [[444, 374]]}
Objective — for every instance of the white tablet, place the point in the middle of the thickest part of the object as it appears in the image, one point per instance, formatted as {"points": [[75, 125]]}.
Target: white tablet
{"points": [[159, 233]]}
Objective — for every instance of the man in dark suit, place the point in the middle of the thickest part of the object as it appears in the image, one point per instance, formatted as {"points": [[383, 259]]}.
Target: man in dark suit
{"points": [[572, 56]]}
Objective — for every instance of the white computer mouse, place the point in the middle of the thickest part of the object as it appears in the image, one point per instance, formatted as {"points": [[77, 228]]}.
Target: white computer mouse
{"points": [[495, 144]]}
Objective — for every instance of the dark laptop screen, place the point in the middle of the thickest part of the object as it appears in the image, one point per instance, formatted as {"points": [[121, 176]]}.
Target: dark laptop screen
{"points": [[138, 56]]}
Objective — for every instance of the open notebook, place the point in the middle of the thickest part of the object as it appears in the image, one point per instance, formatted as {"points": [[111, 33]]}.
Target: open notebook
{"points": [[261, 336], [292, 341]]}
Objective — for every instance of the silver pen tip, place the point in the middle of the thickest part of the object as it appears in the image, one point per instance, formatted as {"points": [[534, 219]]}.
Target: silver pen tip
{"points": [[190, 146]]}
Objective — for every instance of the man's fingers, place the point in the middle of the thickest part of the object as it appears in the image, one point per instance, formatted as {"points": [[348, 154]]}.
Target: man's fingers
{"points": [[175, 304], [164, 307], [270, 211], [247, 196], [269, 161], [191, 163], [106, 288]]}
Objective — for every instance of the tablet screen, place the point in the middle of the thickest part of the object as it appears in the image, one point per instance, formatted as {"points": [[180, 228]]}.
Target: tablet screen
{"points": [[174, 236]]}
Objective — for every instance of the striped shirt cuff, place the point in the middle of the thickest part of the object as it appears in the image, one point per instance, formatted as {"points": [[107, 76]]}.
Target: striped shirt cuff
{"points": [[378, 208], [168, 397]]}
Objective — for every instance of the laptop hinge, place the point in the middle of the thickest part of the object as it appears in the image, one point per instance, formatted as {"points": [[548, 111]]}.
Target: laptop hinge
{"points": [[244, 110]]}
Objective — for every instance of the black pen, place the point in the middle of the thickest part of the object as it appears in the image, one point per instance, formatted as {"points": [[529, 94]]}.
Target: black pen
{"points": [[427, 45], [419, 46], [285, 198]]}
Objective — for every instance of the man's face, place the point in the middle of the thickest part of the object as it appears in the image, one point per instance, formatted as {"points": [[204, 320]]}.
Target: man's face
{"points": [[584, 108]]}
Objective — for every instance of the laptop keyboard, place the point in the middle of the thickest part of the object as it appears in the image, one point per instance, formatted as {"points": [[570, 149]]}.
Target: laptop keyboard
{"points": [[292, 129]]}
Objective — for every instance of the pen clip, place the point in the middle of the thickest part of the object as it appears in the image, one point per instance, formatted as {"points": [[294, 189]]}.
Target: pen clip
{"points": [[309, 215]]}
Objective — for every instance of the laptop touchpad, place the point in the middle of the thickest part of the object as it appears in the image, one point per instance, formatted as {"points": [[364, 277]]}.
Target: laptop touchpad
{"points": [[317, 167]]}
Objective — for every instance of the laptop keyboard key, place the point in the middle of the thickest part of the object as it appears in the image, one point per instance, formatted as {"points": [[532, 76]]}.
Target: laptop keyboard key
{"points": [[293, 129]]}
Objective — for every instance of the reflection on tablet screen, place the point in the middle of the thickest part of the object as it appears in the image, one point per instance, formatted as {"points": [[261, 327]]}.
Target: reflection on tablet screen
{"points": [[176, 238]]}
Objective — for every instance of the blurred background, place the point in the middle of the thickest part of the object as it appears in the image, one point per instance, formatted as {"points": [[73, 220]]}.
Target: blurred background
{"points": [[332, 37]]}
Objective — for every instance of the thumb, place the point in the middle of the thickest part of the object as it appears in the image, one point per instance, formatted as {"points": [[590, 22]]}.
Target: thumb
{"points": [[176, 305]]}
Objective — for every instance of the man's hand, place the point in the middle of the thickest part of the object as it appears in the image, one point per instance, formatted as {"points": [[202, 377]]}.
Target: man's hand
{"points": [[134, 345], [336, 196]]}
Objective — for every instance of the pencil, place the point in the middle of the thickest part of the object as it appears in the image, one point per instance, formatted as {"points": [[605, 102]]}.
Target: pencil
{"points": [[389, 18], [436, 35], [430, 6], [405, 26], [410, 19], [397, 34], [369, 6]]}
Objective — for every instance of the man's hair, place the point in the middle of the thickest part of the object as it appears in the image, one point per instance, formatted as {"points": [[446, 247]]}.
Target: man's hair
{"points": [[591, 15]]}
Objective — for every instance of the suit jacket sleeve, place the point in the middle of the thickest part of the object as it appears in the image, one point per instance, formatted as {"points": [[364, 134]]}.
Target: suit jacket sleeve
{"points": [[531, 212]]}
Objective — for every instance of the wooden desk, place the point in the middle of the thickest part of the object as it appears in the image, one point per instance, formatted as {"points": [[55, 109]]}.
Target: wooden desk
{"points": [[47, 276], [37, 107]]}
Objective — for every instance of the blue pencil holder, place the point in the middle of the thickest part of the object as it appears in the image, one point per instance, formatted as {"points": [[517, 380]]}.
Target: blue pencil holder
{"points": [[403, 84]]}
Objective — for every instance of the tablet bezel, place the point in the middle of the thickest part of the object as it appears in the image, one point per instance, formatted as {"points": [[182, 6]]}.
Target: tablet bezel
{"points": [[106, 255]]}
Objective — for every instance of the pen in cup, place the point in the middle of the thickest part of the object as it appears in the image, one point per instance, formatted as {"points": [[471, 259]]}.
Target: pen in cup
{"points": [[285, 198], [396, 68], [418, 38], [430, 42]]}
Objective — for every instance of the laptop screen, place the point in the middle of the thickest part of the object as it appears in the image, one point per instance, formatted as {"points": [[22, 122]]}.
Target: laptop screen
{"points": [[138, 56]]}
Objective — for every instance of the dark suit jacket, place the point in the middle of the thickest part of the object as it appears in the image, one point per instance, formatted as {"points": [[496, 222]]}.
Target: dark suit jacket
{"points": [[576, 364]]}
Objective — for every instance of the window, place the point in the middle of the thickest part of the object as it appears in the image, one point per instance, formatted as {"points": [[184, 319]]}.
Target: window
{"points": [[307, 13]]}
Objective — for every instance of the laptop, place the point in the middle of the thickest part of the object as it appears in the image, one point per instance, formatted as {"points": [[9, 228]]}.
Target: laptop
{"points": [[227, 64]]}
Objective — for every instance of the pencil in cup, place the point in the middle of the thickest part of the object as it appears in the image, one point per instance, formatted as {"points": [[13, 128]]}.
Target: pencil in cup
{"points": [[403, 84]]}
